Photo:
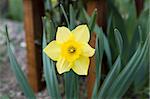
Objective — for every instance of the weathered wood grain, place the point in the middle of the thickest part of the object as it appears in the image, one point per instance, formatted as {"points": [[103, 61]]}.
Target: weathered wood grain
{"points": [[33, 11], [101, 6]]}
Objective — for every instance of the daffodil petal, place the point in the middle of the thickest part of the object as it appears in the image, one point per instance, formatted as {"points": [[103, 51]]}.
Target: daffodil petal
{"points": [[63, 66], [87, 50], [62, 34], [53, 50], [81, 65], [81, 33]]}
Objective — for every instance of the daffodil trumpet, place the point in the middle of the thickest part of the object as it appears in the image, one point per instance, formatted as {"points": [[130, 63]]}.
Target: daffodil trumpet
{"points": [[71, 50]]}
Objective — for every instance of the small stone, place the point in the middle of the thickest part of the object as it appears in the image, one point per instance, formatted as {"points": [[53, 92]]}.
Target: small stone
{"points": [[23, 44]]}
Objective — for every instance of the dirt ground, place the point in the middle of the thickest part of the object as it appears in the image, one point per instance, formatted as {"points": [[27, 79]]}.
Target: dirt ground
{"points": [[9, 88]]}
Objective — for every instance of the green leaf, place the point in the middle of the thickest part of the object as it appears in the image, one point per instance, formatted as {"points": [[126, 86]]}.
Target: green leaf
{"points": [[119, 23], [85, 15], [110, 78], [99, 54], [49, 29], [140, 33], [92, 21], [142, 74], [72, 17], [22, 80], [49, 72], [108, 51], [65, 15], [121, 77], [119, 40], [131, 20], [139, 36], [99, 50], [106, 46], [109, 23], [126, 77], [129, 15], [143, 23], [71, 85]]}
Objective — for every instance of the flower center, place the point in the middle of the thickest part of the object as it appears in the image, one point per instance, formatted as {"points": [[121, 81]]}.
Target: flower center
{"points": [[71, 49]]}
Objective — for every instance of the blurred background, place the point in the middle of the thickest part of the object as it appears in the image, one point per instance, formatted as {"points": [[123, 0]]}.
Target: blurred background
{"points": [[12, 15]]}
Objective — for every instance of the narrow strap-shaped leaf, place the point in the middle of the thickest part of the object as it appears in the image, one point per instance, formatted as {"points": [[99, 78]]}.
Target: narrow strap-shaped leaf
{"points": [[19, 73], [121, 78], [86, 16], [99, 54], [109, 23], [123, 88], [92, 21], [125, 78], [118, 21], [65, 15], [106, 46], [110, 78], [119, 40], [107, 51], [71, 85], [76, 90], [72, 17], [100, 50], [68, 84], [49, 73], [140, 33], [143, 72], [46, 63], [49, 29]]}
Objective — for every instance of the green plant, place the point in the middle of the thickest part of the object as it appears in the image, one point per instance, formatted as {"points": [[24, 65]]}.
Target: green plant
{"points": [[126, 50], [134, 31], [18, 72]]}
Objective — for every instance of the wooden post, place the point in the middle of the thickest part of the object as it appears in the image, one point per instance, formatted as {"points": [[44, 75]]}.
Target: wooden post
{"points": [[33, 11], [101, 6], [91, 5], [139, 6]]}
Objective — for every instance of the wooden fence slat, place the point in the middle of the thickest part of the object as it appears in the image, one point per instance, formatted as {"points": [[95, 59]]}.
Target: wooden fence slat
{"points": [[33, 11], [139, 6], [101, 6]]}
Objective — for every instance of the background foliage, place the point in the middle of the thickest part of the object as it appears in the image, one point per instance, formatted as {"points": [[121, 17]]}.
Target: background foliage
{"points": [[12, 9]]}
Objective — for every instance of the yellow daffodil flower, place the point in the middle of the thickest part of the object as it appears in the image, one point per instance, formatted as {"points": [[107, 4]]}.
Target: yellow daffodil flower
{"points": [[71, 50]]}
